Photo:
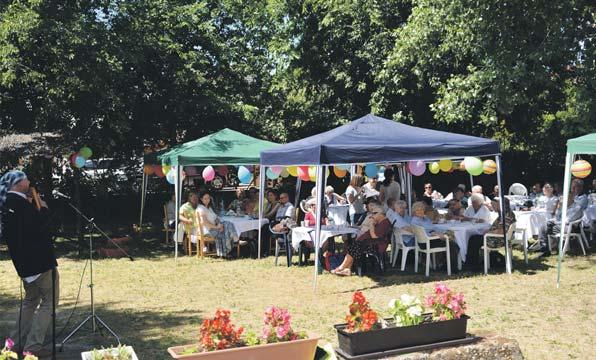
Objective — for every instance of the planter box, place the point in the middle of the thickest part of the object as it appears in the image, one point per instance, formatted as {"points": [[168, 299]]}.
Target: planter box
{"points": [[400, 337], [296, 350], [87, 354]]}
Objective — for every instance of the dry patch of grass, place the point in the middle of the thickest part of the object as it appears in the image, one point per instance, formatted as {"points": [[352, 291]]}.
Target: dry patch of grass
{"points": [[154, 302]]}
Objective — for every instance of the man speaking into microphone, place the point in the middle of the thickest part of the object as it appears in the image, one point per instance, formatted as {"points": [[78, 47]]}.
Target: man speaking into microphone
{"points": [[24, 230]]}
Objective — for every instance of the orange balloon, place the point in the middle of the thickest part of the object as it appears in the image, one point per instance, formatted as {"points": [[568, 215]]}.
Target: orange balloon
{"points": [[148, 169], [340, 173]]}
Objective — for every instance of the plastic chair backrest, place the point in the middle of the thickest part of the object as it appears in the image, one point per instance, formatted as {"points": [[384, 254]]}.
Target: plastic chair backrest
{"points": [[518, 189], [420, 234]]}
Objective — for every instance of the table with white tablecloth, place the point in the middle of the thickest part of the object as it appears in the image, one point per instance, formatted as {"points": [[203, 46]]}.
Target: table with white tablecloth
{"points": [[338, 214], [532, 221], [244, 223], [589, 216], [307, 233], [462, 230]]}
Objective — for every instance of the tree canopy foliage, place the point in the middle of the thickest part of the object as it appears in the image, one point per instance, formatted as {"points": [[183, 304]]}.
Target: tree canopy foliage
{"points": [[118, 74]]}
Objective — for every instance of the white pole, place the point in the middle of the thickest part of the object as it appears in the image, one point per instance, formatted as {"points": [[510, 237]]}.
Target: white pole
{"points": [[409, 187], [318, 217], [178, 195], [566, 185], [472, 181], [143, 193], [261, 199], [502, 209]]}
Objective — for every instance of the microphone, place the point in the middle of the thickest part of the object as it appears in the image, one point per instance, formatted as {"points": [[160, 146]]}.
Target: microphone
{"points": [[58, 194]]}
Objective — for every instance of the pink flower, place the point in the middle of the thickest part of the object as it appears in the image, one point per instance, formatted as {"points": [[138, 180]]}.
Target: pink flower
{"points": [[281, 331], [441, 288], [27, 353], [442, 317], [266, 332], [8, 343], [429, 301]]}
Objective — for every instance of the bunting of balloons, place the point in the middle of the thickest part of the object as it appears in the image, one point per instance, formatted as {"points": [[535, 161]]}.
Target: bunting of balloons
{"points": [[79, 158], [581, 169]]}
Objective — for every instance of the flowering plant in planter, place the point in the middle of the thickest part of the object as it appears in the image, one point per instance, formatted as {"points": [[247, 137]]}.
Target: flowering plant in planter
{"points": [[219, 333], [361, 316], [6, 353], [277, 326], [446, 304], [406, 311]]}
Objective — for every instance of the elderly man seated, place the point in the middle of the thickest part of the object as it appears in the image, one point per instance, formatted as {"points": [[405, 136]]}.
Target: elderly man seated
{"points": [[284, 215], [400, 220], [477, 211], [575, 209], [477, 189]]}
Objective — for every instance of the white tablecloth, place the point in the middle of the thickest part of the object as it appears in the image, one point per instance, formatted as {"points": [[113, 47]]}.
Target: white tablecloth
{"points": [[532, 221], [244, 223], [439, 204], [589, 216], [338, 213], [517, 201], [463, 231], [307, 233]]}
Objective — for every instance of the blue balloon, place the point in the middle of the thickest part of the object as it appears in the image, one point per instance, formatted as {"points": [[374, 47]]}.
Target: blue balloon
{"points": [[244, 175], [171, 176], [79, 161], [271, 175], [371, 170]]}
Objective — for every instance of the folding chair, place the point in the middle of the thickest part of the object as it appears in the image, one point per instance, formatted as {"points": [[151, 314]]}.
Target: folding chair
{"points": [[488, 249], [568, 235], [518, 189], [423, 239]]}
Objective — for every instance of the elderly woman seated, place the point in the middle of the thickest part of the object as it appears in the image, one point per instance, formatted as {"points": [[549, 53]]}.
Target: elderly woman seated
{"points": [[455, 211], [419, 218], [400, 220], [310, 218], [477, 211], [376, 235]]}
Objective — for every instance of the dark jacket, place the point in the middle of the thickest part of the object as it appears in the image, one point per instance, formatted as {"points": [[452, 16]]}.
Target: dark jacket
{"points": [[24, 230]]}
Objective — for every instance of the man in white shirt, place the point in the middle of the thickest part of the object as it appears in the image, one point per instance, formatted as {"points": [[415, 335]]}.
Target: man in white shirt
{"points": [[477, 189], [477, 211], [370, 188]]}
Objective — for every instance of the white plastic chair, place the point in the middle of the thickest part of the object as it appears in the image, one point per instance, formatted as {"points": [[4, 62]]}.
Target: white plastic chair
{"points": [[397, 243], [488, 249], [423, 238], [518, 189], [568, 235]]}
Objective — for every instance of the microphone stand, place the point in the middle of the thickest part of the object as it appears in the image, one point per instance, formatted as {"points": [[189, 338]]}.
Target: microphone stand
{"points": [[91, 225]]}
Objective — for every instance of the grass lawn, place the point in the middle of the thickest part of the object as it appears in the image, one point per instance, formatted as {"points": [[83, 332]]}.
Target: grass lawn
{"points": [[154, 303]]}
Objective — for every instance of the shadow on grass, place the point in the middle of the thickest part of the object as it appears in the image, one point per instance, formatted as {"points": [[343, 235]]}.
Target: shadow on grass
{"points": [[150, 333]]}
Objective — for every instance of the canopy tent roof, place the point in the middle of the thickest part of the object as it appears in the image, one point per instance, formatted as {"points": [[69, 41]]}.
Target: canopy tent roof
{"points": [[375, 139], [225, 147], [582, 145]]}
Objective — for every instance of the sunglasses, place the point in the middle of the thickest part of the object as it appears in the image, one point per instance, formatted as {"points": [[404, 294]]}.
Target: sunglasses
{"points": [[428, 187]]}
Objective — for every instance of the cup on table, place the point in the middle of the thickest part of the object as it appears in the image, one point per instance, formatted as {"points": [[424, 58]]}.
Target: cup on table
{"points": [[302, 223]]}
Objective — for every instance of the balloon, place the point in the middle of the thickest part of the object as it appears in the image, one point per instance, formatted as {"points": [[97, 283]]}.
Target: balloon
{"points": [[277, 169], [303, 173], [244, 175], [417, 167], [208, 173], [148, 169], [343, 167], [171, 176], [293, 170], [462, 166], [434, 167], [250, 168], [166, 169], [271, 175], [445, 165], [339, 172], [473, 165], [79, 161], [222, 170], [158, 171], [85, 152], [312, 173], [284, 173], [489, 166], [371, 170], [581, 169], [190, 170]]}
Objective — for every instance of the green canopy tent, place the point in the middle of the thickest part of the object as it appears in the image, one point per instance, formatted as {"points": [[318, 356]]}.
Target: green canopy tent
{"points": [[582, 145], [225, 147]]}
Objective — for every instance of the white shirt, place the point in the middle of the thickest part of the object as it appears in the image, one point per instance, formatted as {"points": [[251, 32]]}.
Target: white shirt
{"points": [[486, 200], [391, 191], [356, 207], [285, 210], [548, 203], [369, 191], [32, 278], [482, 213], [208, 214]]}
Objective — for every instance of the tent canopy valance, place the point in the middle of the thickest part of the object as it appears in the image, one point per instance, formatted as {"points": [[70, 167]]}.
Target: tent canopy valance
{"points": [[373, 139], [225, 147], [582, 145]]}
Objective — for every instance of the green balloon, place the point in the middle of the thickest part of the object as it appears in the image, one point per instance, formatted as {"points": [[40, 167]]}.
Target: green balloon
{"points": [[434, 167], [473, 165], [86, 152]]}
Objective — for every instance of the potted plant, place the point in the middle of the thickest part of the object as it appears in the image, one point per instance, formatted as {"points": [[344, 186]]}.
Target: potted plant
{"points": [[220, 339], [121, 352], [6, 352], [408, 325]]}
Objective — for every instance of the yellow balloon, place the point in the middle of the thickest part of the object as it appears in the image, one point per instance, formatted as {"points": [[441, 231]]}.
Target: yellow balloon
{"points": [[581, 169], [293, 170], [166, 168], [434, 167], [445, 165], [312, 173]]}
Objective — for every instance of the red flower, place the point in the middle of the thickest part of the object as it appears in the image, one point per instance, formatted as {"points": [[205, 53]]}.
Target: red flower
{"points": [[361, 316], [219, 333]]}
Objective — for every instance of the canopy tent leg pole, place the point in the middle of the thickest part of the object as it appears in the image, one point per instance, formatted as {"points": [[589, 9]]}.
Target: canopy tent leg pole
{"points": [[566, 186], [261, 200], [502, 210], [297, 195], [409, 187], [177, 193], [472, 182], [352, 170], [319, 202], [143, 194]]}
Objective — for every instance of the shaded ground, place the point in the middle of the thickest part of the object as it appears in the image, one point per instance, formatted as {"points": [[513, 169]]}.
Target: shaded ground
{"points": [[154, 303]]}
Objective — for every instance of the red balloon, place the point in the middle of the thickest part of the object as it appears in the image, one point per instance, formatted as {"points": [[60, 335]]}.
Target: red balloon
{"points": [[222, 170], [158, 170], [303, 173]]}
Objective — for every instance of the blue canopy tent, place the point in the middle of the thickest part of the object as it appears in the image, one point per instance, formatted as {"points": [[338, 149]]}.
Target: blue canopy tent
{"points": [[373, 139]]}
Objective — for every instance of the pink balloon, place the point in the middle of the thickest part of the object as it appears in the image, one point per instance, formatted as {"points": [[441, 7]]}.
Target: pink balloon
{"points": [[277, 169], [208, 173], [303, 173], [222, 170], [416, 168], [190, 170]]}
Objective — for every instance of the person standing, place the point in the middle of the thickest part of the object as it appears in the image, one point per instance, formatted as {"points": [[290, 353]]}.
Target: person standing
{"points": [[24, 230], [390, 188]]}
